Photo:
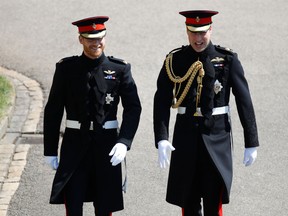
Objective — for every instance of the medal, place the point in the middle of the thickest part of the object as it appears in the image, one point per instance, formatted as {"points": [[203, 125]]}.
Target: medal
{"points": [[109, 98]]}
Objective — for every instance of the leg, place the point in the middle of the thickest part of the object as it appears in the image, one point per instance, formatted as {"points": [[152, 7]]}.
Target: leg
{"points": [[109, 214], [212, 196], [73, 208], [213, 204], [74, 193], [73, 201], [101, 213], [192, 212], [193, 205], [212, 188]]}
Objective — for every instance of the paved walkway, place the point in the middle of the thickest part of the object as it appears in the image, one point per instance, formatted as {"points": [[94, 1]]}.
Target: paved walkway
{"points": [[17, 132]]}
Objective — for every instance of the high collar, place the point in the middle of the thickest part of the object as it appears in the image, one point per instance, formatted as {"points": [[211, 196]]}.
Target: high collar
{"points": [[92, 62]]}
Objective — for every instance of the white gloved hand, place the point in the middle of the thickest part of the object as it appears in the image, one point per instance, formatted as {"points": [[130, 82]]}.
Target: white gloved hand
{"points": [[119, 153], [164, 147], [52, 161], [250, 155]]}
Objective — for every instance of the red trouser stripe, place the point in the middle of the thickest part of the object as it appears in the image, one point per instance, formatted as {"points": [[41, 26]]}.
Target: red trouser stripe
{"points": [[65, 203], [220, 211]]}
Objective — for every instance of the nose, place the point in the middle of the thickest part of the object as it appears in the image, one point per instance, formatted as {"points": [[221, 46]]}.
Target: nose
{"points": [[198, 35]]}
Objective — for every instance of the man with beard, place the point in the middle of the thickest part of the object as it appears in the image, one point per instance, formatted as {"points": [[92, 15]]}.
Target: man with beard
{"points": [[89, 88]]}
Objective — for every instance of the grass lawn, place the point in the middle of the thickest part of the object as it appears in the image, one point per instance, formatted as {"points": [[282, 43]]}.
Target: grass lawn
{"points": [[6, 95]]}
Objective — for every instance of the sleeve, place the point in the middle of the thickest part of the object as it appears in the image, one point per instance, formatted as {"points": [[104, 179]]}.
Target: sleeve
{"points": [[53, 113], [162, 103], [244, 103], [131, 108]]}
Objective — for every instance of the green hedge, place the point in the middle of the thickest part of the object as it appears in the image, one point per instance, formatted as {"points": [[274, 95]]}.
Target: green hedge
{"points": [[6, 93]]}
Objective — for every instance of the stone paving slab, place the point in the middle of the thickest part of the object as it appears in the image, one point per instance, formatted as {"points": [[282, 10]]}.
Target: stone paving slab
{"points": [[21, 119]]}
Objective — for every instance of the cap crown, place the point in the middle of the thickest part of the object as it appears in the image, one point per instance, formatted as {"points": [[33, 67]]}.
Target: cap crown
{"points": [[198, 20], [198, 17], [92, 27]]}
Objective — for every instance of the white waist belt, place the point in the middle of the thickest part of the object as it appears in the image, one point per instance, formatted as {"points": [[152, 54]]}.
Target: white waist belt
{"points": [[215, 111], [76, 125]]}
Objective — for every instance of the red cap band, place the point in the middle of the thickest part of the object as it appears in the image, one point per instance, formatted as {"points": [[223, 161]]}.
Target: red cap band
{"points": [[90, 28], [199, 21]]}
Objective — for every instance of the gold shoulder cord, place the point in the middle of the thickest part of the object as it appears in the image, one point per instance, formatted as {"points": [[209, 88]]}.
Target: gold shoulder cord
{"points": [[191, 73]]}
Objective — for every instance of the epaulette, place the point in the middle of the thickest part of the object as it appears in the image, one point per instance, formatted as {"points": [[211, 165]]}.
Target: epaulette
{"points": [[117, 60], [67, 59], [177, 49], [224, 49]]}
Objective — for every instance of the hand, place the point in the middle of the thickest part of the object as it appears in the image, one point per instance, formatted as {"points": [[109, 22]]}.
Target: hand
{"points": [[250, 155], [119, 153], [52, 161], [164, 147]]}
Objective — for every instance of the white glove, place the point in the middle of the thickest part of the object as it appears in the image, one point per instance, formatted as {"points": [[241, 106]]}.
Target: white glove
{"points": [[52, 161], [164, 147], [119, 153], [250, 155]]}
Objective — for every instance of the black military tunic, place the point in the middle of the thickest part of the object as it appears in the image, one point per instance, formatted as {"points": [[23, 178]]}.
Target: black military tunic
{"points": [[90, 91], [222, 68]]}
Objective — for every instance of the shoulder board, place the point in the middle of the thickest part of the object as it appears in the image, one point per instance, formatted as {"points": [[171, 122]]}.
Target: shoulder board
{"points": [[67, 59], [178, 49], [224, 49], [117, 60]]}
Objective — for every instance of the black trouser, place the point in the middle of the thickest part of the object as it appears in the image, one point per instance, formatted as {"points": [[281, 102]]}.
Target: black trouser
{"points": [[207, 185], [75, 190]]}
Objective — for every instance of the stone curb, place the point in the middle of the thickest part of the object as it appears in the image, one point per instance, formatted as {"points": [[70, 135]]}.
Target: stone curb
{"points": [[36, 99], [22, 118]]}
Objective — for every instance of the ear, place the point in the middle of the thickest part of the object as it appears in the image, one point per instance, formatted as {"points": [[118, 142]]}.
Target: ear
{"points": [[80, 38], [187, 30]]}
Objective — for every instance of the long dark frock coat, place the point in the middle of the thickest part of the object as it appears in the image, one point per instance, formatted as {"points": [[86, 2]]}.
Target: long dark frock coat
{"points": [[69, 91], [214, 130]]}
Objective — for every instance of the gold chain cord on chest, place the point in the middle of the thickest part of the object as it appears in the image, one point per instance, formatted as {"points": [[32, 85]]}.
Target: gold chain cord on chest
{"points": [[191, 73]]}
